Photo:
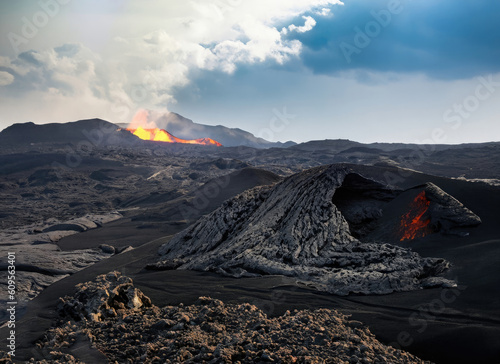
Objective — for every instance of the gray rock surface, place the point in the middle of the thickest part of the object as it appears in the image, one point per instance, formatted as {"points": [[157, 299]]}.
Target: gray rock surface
{"points": [[38, 260], [294, 229]]}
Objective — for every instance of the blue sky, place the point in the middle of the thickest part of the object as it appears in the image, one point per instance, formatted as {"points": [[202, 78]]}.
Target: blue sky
{"points": [[365, 70]]}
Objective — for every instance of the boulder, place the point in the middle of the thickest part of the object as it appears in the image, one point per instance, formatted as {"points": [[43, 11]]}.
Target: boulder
{"points": [[446, 211], [102, 298]]}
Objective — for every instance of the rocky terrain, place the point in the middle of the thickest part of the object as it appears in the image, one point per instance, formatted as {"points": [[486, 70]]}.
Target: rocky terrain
{"points": [[40, 185], [342, 229], [117, 321], [40, 262], [43, 204], [40, 237], [295, 229]]}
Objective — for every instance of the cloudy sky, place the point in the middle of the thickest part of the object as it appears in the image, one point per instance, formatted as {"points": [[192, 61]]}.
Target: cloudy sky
{"points": [[365, 70]]}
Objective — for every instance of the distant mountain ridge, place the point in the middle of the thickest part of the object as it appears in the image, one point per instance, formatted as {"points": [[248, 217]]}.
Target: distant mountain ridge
{"points": [[186, 128], [342, 145], [110, 133], [94, 131], [431, 158]]}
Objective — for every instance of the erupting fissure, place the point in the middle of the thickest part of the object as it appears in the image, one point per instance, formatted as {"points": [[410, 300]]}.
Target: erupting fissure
{"points": [[160, 135], [413, 224]]}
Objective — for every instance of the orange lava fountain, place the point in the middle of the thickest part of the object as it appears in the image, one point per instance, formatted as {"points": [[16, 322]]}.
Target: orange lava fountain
{"points": [[413, 224], [160, 135]]}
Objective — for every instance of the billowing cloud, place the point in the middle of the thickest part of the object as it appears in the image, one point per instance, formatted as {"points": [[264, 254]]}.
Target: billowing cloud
{"points": [[440, 39], [66, 83], [324, 12], [6, 78], [145, 70], [308, 25], [54, 71], [230, 62]]}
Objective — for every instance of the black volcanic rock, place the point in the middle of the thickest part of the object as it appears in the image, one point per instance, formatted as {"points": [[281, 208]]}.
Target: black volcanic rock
{"points": [[361, 200], [447, 211], [41, 177], [444, 214], [220, 163], [89, 133], [294, 229]]}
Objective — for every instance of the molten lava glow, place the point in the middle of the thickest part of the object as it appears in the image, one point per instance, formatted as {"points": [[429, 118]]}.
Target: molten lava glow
{"points": [[141, 133], [413, 224], [160, 135]]}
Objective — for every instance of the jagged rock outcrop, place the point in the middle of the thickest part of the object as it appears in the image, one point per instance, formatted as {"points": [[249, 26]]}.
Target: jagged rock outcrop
{"points": [[295, 229], [446, 212], [101, 298]]}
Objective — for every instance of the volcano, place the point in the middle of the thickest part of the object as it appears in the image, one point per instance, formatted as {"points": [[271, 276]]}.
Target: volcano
{"points": [[293, 228], [160, 135], [187, 129]]}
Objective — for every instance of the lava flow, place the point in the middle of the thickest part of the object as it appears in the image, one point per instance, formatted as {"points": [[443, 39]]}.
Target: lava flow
{"points": [[413, 225], [160, 135]]}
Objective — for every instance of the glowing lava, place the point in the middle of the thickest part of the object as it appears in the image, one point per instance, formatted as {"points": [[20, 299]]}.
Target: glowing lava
{"points": [[413, 224], [160, 135]]}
